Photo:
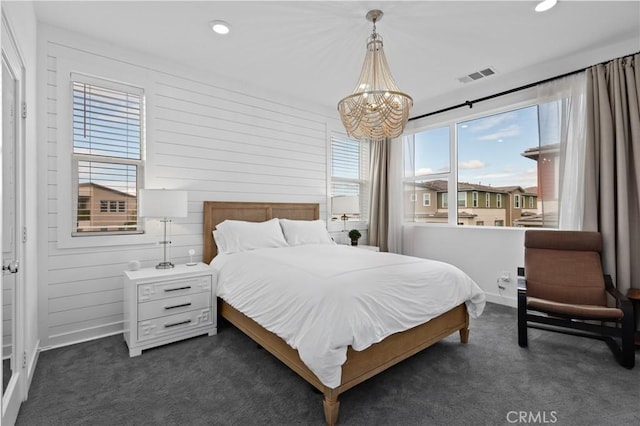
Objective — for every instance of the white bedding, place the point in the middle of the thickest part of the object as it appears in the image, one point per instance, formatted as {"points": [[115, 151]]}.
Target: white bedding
{"points": [[323, 298]]}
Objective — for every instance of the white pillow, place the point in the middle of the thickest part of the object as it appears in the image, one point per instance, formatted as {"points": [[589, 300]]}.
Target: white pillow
{"points": [[238, 235], [299, 232], [218, 237]]}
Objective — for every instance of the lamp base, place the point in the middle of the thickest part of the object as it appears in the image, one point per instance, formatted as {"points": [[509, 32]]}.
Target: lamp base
{"points": [[165, 265]]}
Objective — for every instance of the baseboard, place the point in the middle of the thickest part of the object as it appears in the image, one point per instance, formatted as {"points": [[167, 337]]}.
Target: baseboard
{"points": [[31, 368], [502, 300], [84, 335]]}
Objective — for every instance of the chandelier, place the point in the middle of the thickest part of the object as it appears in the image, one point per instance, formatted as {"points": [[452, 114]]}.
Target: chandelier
{"points": [[376, 109]]}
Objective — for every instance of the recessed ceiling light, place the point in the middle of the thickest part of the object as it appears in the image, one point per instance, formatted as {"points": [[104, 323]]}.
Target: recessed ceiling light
{"points": [[545, 5], [220, 27]]}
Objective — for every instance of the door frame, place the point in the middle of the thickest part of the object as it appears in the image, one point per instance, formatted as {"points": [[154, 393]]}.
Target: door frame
{"points": [[16, 391]]}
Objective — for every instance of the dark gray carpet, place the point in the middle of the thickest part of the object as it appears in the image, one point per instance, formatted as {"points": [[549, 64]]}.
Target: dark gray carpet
{"points": [[228, 380]]}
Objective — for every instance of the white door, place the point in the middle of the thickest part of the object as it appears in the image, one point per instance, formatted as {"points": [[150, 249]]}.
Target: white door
{"points": [[12, 364]]}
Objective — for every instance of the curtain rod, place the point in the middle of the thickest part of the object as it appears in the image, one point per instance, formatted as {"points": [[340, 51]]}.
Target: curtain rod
{"points": [[507, 92]]}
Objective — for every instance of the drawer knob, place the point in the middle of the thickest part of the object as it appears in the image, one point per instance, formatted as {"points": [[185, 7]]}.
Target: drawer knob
{"points": [[167, 290], [178, 306], [177, 324]]}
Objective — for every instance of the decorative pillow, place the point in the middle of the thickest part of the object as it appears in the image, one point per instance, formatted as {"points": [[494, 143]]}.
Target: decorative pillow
{"points": [[299, 232], [238, 235]]}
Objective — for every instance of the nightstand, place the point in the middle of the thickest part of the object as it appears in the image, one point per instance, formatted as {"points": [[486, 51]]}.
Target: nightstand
{"points": [[371, 248], [166, 305]]}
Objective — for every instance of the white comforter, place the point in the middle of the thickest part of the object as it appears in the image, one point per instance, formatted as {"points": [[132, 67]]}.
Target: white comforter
{"points": [[323, 298]]}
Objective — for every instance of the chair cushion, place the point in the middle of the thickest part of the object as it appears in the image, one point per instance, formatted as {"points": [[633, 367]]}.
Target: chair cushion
{"points": [[575, 311], [565, 276]]}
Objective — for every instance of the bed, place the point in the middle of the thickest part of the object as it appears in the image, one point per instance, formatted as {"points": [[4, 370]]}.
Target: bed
{"points": [[360, 364]]}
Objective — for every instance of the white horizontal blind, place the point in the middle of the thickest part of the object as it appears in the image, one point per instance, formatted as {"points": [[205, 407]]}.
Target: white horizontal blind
{"points": [[350, 169], [107, 156]]}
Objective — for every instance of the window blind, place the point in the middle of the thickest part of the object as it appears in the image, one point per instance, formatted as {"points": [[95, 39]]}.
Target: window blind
{"points": [[350, 169], [107, 156], [106, 122]]}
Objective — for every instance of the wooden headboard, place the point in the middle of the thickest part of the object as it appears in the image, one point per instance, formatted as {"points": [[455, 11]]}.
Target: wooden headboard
{"points": [[218, 211]]}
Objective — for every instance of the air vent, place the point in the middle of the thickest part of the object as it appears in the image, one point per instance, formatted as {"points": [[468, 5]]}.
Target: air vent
{"points": [[477, 75]]}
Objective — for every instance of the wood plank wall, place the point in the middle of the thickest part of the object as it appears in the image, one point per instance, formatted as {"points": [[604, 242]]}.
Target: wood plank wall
{"points": [[219, 143]]}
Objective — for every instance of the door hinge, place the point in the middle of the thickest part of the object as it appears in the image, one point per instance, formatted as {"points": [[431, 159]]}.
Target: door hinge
{"points": [[24, 110], [24, 360], [24, 234]]}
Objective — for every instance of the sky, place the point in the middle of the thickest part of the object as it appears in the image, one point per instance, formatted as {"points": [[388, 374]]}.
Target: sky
{"points": [[489, 149]]}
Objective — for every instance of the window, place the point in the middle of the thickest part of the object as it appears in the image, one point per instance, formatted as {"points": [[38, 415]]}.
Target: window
{"points": [[107, 156], [498, 222], [512, 148], [462, 199], [426, 157], [480, 223], [350, 171]]}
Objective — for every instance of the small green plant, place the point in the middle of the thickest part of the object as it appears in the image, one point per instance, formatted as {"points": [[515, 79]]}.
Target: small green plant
{"points": [[354, 235]]}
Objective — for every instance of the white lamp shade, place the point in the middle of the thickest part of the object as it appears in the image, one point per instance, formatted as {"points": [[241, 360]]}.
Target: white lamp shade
{"points": [[163, 203], [345, 204]]}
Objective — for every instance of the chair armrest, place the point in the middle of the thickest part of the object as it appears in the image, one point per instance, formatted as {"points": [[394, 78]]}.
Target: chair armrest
{"points": [[611, 289], [621, 300]]}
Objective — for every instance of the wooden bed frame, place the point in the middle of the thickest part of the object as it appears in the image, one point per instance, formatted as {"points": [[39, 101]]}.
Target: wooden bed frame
{"points": [[360, 365]]}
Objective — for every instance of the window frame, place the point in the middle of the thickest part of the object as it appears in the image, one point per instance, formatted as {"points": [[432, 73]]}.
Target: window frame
{"points": [[498, 201], [516, 201], [474, 199], [77, 158], [100, 71]]}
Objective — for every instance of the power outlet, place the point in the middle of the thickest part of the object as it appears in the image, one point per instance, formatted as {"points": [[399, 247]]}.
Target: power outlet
{"points": [[505, 277]]}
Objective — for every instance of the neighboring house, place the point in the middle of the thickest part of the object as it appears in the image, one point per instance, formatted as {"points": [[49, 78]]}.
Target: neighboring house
{"points": [[101, 208], [478, 205], [547, 191]]}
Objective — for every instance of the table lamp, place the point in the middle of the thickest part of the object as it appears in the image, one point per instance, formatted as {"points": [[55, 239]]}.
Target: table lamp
{"points": [[344, 205], [165, 204]]}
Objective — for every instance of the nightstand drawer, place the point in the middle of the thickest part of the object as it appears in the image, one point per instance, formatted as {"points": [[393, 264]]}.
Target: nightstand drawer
{"points": [[173, 305], [165, 289], [159, 327]]}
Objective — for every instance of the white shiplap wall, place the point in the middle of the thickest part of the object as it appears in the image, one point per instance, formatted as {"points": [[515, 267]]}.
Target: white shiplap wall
{"points": [[218, 141]]}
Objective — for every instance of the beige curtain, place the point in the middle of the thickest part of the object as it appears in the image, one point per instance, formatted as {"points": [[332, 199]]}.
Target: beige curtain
{"points": [[380, 156], [613, 165]]}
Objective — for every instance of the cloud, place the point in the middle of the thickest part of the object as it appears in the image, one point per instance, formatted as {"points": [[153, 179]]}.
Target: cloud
{"points": [[424, 171], [505, 132], [487, 123], [472, 164]]}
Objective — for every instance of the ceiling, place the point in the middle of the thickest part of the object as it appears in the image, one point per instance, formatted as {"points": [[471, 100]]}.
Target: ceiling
{"points": [[313, 51]]}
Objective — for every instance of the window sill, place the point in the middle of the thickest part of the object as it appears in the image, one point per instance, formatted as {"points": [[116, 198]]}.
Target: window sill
{"points": [[68, 241]]}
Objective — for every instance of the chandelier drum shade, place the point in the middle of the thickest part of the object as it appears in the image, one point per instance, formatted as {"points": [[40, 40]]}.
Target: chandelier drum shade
{"points": [[376, 109]]}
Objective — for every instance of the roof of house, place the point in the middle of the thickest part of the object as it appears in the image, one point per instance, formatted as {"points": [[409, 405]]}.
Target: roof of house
{"points": [[105, 188]]}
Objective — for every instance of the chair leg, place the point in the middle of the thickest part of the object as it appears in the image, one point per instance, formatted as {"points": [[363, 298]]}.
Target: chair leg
{"points": [[628, 355], [522, 319]]}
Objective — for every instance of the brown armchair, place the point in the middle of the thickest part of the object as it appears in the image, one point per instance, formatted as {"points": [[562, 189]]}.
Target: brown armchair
{"points": [[565, 289]]}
